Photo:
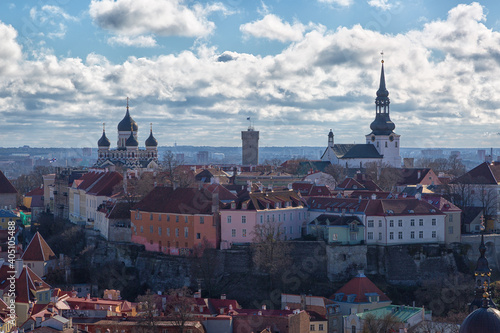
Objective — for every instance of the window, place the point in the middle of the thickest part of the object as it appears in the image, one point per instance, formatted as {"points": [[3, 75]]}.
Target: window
{"points": [[400, 235], [291, 217], [370, 235], [412, 222], [261, 219], [243, 219], [176, 232], [379, 236], [151, 216], [186, 232], [380, 223], [420, 234], [185, 219], [168, 218], [433, 221], [159, 217], [434, 234], [176, 218], [233, 232], [386, 144], [334, 237], [151, 229], [370, 223], [291, 229], [142, 228], [284, 217], [450, 218], [268, 218], [229, 219], [391, 235], [450, 229], [412, 235], [312, 327], [159, 231], [243, 232], [320, 327], [396, 144], [202, 219], [400, 223], [421, 222], [273, 217], [391, 223], [168, 231], [198, 235]]}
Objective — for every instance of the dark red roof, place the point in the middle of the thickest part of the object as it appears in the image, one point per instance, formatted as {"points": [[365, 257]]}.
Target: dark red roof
{"points": [[35, 192], [27, 284], [178, 201], [360, 286], [5, 185], [38, 250], [104, 185], [309, 189], [440, 203], [484, 173], [224, 194]]}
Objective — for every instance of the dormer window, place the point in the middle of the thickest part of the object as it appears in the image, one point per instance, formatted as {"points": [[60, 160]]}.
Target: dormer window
{"points": [[339, 297], [351, 298], [233, 205], [244, 206]]}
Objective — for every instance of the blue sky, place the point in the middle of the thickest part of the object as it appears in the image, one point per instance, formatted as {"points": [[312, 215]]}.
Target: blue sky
{"points": [[197, 70]]}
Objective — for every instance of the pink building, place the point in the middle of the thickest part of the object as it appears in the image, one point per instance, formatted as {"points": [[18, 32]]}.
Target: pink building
{"points": [[286, 208]]}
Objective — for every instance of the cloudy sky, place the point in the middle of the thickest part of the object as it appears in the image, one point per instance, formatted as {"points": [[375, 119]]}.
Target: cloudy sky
{"points": [[198, 69]]}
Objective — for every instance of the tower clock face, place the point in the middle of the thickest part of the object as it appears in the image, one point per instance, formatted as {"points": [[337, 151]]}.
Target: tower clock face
{"points": [[391, 138], [373, 137]]}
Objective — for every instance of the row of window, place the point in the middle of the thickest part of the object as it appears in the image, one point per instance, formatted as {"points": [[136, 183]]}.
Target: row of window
{"points": [[269, 218], [151, 230], [244, 231], [138, 216], [313, 327], [371, 223], [400, 235]]}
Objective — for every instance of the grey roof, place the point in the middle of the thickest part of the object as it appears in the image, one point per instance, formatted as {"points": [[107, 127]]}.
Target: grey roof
{"points": [[366, 150]]}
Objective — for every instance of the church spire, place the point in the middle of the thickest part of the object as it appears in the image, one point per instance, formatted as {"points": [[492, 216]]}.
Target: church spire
{"points": [[482, 275], [382, 125]]}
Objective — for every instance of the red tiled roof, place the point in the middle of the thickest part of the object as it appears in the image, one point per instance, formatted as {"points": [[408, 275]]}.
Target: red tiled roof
{"points": [[224, 194], [5, 185], [178, 201], [360, 286], [484, 173], [105, 184], [440, 203], [87, 180], [36, 191], [38, 250], [27, 284]]}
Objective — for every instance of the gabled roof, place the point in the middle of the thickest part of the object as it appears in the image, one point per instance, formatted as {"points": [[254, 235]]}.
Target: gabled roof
{"points": [[362, 288], [440, 203], [178, 201], [27, 284], [7, 213], [414, 176], [35, 192], [224, 193], [309, 189], [268, 200], [335, 220], [484, 173], [366, 150], [38, 250], [105, 184], [5, 185]]}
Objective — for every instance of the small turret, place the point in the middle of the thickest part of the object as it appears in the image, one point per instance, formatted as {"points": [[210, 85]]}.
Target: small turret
{"points": [[103, 141], [151, 141]]}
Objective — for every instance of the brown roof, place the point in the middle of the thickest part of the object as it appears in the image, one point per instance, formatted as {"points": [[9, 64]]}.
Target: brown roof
{"points": [[38, 250], [27, 284], [361, 287], [104, 185], [5, 185], [178, 201], [484, 173]]}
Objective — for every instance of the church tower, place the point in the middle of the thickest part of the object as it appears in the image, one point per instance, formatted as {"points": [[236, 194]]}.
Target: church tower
{"points": [[126, 127], [382, 136], [482, 275]]}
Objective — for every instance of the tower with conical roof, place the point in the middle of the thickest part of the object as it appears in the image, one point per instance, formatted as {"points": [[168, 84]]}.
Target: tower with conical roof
{"points": [[482, 275], [382, 135]]}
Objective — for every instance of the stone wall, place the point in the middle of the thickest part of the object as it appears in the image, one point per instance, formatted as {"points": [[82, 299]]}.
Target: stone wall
{"points": [[345, 261]]}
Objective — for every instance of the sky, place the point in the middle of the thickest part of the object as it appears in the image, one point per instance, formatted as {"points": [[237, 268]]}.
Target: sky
{"points": [[197, 70]]}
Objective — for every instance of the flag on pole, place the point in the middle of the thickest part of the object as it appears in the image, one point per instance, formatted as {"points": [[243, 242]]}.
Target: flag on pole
{"points": [[53, 160]]}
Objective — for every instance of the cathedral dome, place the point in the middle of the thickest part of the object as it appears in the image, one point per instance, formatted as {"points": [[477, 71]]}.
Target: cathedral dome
{"points": [[103, 141], [382, 125], [484, 320], [151, 141], [131, 141], [127, 123]]}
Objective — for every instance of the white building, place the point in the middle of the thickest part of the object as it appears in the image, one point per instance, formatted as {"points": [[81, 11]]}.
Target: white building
{"points": [[382, 144]]}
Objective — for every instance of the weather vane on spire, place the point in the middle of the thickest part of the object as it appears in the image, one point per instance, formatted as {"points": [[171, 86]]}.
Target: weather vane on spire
{"points": [[103, 127], [127, 102], [382, 54]]}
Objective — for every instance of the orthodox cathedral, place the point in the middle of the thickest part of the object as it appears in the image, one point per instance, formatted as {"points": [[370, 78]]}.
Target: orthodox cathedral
{"points": [[127, 153], [382, 144]]}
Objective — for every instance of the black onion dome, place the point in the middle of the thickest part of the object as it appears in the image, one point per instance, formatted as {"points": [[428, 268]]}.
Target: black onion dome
{"points": [[103, 141], [127, 123], [151, 141], [382, 125], [482, 265], [482, 320], [131, 141]]}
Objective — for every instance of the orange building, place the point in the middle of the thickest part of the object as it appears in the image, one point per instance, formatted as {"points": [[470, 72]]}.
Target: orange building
{"points": [[175, 221]]}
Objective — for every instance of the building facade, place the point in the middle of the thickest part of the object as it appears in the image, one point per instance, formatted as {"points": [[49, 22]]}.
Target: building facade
{"points": [[250, 146]]}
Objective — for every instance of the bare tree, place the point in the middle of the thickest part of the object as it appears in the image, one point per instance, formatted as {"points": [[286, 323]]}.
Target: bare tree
{"points": [[385, 175], [206, 268], [271, 254], [337, 171], [174, 171], [180, 303], [147, 313], [372, 324]]}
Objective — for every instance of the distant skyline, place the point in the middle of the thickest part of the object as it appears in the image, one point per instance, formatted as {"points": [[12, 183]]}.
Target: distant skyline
{"points": [[198, 70]]}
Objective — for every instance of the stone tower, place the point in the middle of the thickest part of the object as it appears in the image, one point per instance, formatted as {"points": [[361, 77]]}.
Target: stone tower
{"points": [[250, 146]]}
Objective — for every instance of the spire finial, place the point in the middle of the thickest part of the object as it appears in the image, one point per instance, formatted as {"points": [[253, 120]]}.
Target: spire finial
{"points": [[151, 127], [127, 103], [104, 127], [382, 54]]}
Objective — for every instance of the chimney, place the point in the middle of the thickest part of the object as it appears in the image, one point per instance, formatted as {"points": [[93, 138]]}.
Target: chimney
{"points": [[19, 267], [215, 202], [418, 196], [374, 196], [223, 296], [264, 307], [419, 173], [260, 313], [249, 186]]}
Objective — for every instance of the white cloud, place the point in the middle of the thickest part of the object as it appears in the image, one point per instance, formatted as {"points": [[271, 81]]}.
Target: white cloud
{"points": [[323, 78], [272, 27], [160, 17], [51, 18], [138, 41], [380, 4], [341, 3]]}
